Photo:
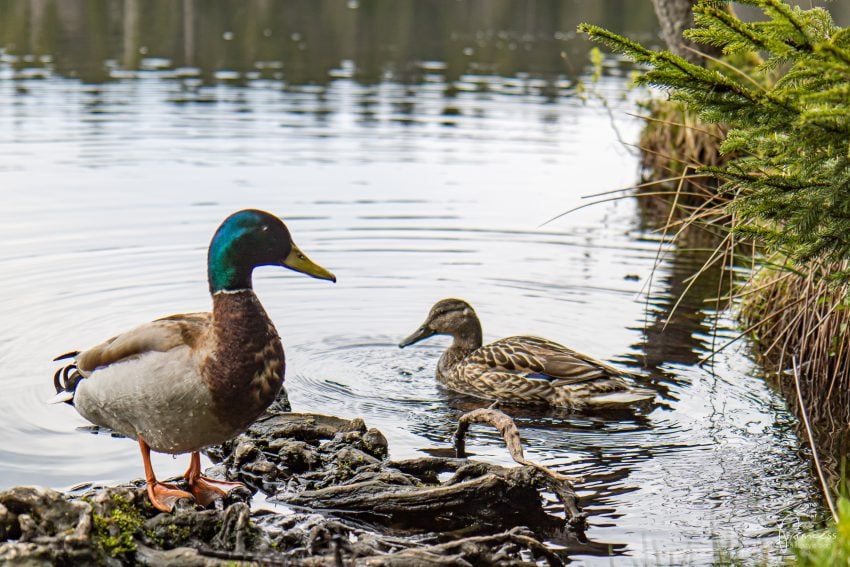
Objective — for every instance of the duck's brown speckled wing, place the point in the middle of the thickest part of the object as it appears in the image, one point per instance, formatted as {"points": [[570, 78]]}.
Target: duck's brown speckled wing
{"points": [[160, 335], [535, 370], [536, 356]]}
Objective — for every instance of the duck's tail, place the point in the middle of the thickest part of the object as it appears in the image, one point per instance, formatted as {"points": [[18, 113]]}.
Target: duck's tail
{"points": [[66, 381]]}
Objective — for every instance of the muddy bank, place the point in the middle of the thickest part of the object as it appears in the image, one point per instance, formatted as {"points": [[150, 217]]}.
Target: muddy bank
{"points": [[345, 503]]}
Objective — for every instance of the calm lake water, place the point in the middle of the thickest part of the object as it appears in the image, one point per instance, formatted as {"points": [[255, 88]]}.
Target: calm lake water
{"points": [[415, 161]]}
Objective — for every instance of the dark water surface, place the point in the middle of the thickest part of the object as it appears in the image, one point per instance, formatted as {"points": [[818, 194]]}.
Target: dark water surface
{"points": [[414, 160]]}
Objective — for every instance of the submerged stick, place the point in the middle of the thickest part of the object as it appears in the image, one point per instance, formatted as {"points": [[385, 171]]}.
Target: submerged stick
{"points": [[510, 434], [812, 440]]}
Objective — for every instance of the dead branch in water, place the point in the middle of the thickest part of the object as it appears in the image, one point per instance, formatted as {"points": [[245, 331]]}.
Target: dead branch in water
{"points": [[490, 549], [339, 467], [558, 483], [510, 434]]}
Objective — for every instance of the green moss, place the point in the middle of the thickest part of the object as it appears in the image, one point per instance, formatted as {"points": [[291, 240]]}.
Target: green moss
{"points": [[178, 533], [170, 535], [115, 534], [345, 468]]}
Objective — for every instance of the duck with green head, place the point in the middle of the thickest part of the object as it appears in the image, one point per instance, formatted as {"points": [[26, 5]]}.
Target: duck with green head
{"points": [[189, 381], [521, 369]]}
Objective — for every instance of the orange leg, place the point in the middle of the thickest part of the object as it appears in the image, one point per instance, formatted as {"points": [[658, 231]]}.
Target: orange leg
{"points": [[206, 490], [163, 496]]}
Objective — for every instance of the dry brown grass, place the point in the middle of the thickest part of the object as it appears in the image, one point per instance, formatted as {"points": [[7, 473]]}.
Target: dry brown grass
{"points": [[675, 141], [806, 315]]}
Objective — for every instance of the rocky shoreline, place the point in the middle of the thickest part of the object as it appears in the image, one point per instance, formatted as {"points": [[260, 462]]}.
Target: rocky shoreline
{"points": [[343, 502]]}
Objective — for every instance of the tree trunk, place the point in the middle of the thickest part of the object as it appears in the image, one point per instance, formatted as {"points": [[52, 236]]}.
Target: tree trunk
{"points": [[675, 16]]}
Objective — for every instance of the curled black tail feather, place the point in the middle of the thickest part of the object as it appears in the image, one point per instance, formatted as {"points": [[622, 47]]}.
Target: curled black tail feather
{"points": [[66, 379], [71, 354]]}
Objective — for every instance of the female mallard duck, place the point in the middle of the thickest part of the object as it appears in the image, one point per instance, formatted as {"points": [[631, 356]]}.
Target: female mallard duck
{"points": [[186, 382], [520, 370]]}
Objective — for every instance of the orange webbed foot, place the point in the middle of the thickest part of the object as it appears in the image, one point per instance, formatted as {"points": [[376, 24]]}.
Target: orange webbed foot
{"points": [[207, 490], [165, 496]]}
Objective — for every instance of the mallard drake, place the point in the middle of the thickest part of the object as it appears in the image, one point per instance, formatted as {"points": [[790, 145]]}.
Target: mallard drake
{"points": [[520, 370], [186, 382]]}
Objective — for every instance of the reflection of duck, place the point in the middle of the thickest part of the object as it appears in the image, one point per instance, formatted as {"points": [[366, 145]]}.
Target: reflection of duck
{"points": [[186, 382], [523, 370]]}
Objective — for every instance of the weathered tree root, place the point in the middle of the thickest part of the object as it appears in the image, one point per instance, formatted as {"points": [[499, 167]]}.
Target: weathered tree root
{"points": [[514, 536], [497, 549], [371, 511], [117, 526], [317, 462]]}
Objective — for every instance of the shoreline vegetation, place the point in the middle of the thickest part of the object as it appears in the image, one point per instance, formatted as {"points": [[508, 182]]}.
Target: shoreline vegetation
{"points": [[752, 146]]}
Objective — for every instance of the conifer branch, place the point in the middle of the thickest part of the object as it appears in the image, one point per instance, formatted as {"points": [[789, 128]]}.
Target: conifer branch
{"points": [[788, 119]]}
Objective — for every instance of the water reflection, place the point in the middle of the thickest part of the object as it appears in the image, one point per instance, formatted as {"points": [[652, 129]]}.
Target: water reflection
{"points": [[679, 308], [309, 41]]}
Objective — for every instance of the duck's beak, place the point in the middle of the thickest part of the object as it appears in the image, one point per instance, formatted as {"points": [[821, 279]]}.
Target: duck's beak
{"points": [[298, 261], [422, 332]]}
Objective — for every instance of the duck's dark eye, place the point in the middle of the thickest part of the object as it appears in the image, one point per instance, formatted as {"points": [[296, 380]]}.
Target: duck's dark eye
{"points": [[265, 228]]}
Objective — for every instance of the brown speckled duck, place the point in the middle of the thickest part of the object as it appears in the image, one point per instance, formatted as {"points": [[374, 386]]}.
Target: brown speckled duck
{"points": [[521, 370], [186, 382]]}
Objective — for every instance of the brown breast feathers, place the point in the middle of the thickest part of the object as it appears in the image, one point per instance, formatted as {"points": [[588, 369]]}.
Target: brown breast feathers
{"points": [[244, 369]]}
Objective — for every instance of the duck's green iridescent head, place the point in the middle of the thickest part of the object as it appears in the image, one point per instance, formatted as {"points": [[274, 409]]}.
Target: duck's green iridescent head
{"points": [[252, 238]]}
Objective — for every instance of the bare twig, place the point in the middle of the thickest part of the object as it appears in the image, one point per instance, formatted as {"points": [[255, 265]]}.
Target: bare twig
{"points": [[749, 330], [646, 184], [510, 434], [805, 415], [617, 198], [672, 123]]}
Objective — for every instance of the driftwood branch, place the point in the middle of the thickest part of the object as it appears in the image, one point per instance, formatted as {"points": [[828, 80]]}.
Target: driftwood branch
{"points": [[510, 434], [558, 483], [481, 547], [485, 549]]}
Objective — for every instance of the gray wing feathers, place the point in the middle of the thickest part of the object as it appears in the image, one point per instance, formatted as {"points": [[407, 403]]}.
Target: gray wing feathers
{"points": [[161, 335]]}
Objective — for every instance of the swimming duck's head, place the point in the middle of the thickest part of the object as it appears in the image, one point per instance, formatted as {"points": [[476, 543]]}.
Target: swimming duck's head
{"points": [[252, 238], [450, 316]]}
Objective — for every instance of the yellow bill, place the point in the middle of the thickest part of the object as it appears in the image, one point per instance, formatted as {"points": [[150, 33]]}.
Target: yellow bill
{"points": [[296, 260]]}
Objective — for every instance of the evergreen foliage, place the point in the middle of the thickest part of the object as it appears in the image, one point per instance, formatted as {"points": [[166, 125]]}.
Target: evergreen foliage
{"points": [[788, 118]]}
